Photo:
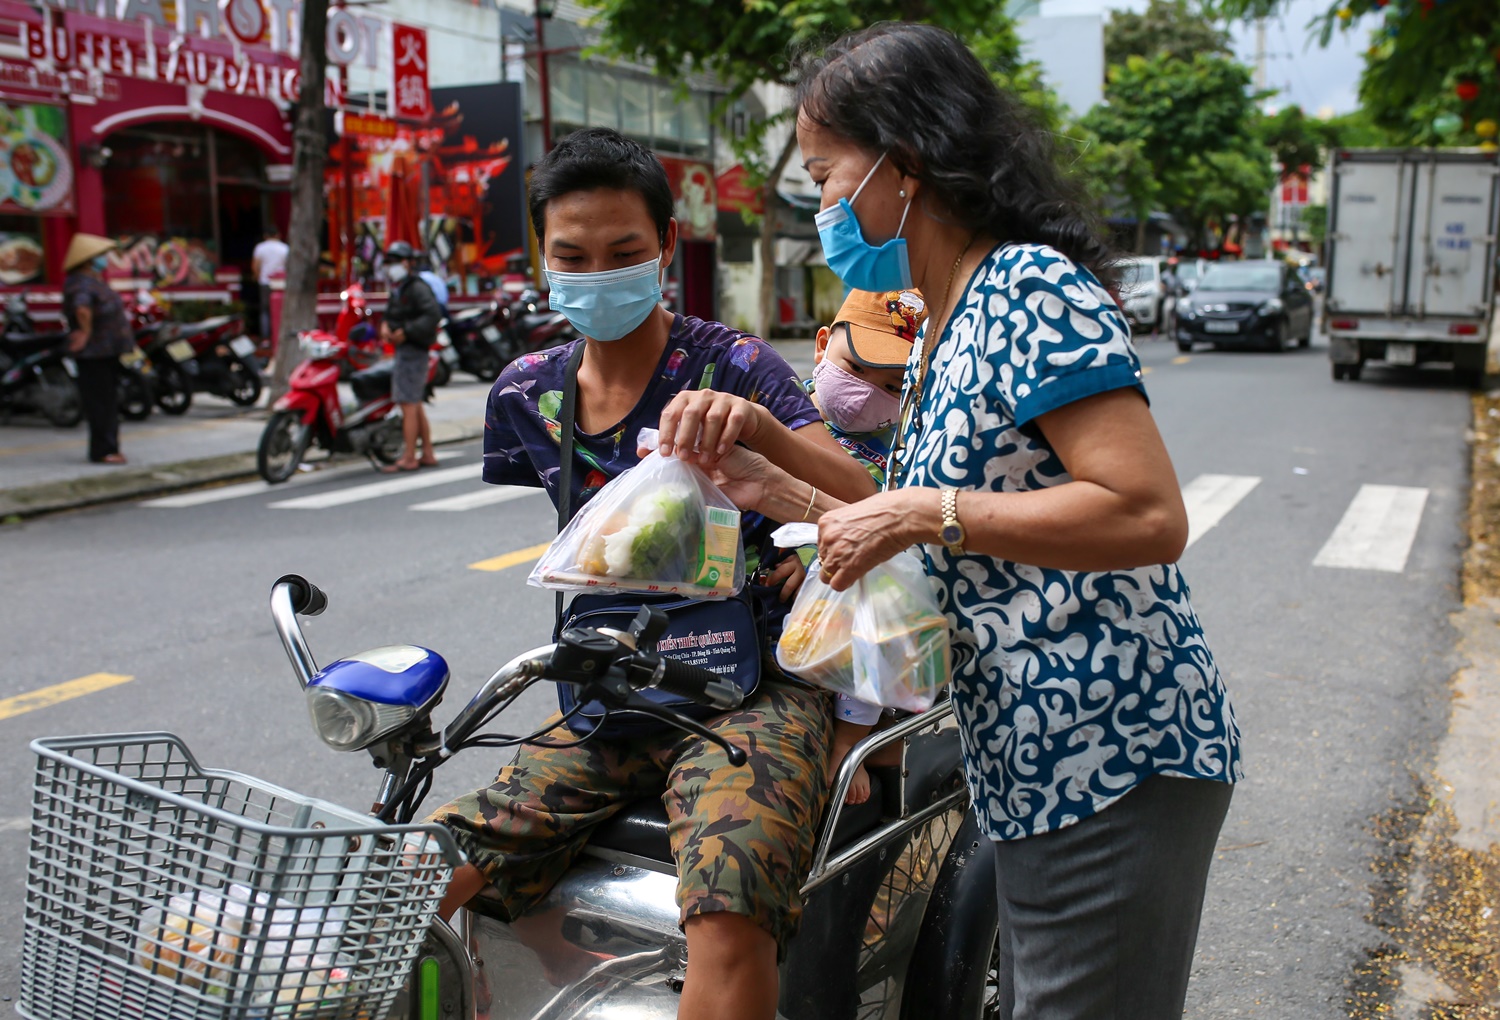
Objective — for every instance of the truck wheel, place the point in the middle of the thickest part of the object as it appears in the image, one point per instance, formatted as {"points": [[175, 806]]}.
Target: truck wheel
{"points": [[1470, 377], [1185, 346]]}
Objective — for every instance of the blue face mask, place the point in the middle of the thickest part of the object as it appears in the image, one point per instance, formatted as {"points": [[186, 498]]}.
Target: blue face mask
{"points": [[101, 262], [606, 306], [857, 262]]}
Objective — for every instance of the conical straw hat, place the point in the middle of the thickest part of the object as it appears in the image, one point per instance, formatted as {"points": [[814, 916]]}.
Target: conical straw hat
{"points": [[84, 247]]}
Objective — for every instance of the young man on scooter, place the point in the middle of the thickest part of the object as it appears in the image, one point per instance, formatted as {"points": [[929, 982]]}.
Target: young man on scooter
{"points": [[742, 837]]}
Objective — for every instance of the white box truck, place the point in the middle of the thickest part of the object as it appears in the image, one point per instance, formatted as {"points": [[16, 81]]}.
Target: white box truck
{"points": [[1411, 258]]}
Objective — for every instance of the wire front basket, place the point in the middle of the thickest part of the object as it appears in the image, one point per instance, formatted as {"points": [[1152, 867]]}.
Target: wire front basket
{"points": [[160, 890]]}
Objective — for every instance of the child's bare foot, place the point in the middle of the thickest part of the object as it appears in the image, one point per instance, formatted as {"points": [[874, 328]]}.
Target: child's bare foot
{"points": [[859, 787]]}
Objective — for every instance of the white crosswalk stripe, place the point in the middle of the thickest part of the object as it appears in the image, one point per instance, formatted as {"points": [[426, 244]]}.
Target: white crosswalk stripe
{"points": [[243, 489], [1209, 498], [424, 479], [1377, 530], [487, 496]]}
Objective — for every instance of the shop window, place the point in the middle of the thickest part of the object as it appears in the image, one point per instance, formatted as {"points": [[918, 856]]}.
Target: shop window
{"points": [[695, 125], [569, 111], [604, 99], [635, 109], [157, 182], [666, 120]]}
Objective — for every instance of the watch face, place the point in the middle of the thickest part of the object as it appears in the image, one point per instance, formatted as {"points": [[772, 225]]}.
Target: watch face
{"points": [[952, 534]]}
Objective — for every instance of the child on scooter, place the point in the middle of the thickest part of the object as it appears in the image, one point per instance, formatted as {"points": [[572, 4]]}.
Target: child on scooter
{"points": [[856, 384]]}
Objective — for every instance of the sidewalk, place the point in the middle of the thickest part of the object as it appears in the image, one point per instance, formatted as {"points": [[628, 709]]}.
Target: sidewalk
{"points": [[45, 469]]}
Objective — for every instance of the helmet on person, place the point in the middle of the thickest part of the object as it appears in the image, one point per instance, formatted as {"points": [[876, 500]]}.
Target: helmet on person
{"points": [[400, 250]]}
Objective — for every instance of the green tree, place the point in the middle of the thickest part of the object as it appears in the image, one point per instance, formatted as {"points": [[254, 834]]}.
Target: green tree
{"points": [[1420, 53], [1196, 124], [1173, 28], [749, 42], [1297, 140], [1315, 222]]}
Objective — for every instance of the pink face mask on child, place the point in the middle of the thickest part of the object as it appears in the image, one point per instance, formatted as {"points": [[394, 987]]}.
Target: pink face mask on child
{"points": [[852, 403]]}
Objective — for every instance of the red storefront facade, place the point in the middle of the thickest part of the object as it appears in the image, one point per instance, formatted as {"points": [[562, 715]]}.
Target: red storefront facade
{"points": [[178, 145]]}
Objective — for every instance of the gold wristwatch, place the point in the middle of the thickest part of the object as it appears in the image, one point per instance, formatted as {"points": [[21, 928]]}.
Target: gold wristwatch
{"points": [[953, 534]]}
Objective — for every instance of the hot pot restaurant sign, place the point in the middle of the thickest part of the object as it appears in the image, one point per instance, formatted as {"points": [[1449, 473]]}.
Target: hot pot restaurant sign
{"points": [[244, 47]]}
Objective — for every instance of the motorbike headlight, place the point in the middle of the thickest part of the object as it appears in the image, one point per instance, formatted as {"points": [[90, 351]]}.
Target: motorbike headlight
{"points": [[1270, 307], [348, 723]]}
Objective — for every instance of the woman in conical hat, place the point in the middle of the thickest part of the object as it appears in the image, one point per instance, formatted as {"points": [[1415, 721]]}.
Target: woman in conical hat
{"points": [[99, 334]]}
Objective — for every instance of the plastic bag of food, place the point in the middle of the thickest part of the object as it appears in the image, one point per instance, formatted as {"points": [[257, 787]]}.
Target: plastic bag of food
{"points": [[883, 641], [661, 527], [193, 940]]}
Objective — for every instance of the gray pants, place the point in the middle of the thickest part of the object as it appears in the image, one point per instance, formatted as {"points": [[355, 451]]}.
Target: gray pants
{"points": [[1098, 920]]}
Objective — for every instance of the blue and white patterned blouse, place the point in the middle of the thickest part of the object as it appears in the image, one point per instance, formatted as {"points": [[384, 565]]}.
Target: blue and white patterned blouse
{"points": [[1070, 687]]}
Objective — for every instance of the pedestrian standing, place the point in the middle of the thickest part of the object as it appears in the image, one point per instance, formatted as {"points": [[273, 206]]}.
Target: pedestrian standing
{"points": [[267, 260], [1099, 743], [99, 333], [411, 322]]}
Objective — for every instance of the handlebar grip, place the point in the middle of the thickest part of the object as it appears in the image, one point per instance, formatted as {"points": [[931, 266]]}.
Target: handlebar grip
{"points": [[307, 598], [698, 684]]}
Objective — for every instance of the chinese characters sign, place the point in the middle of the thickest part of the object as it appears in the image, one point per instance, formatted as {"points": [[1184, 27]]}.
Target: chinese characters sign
{"points": [[409, 94]]}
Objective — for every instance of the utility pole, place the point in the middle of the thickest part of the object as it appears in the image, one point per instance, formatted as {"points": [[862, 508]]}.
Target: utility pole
{"points": [[1260, 54], [543, 11]]}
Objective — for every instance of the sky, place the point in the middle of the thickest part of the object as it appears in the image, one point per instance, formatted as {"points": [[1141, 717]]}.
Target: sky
{"points": [[1308, 75]]}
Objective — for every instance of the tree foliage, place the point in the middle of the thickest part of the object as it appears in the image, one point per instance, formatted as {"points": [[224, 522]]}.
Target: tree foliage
{"points": [[1171, 28], [1196, 127], [1297, 140], [1420, 51]]}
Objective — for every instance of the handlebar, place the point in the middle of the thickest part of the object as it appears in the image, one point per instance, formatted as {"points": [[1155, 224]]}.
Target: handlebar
{"points": [[688, 681], [603, 662]]}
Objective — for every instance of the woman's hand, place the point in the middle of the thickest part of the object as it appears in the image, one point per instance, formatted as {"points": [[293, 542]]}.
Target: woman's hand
{"points": [[702, 426], [77, 341], [855, 538]]}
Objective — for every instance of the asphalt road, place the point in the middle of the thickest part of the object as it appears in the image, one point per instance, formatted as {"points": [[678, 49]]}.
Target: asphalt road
{"points": [[1337, 673]]}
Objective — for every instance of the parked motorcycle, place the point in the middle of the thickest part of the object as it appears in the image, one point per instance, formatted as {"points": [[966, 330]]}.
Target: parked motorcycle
{"points": [[212, 356], [530, 325], [311, 411], [478, 341], [36, 374]]}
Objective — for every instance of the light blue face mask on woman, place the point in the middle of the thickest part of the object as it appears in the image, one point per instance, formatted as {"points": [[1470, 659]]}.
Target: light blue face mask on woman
{"points": [[606, 306], [857, 262]]}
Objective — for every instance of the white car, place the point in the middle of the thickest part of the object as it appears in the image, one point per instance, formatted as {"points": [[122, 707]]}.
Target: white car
{"points": [[1143, 295]]}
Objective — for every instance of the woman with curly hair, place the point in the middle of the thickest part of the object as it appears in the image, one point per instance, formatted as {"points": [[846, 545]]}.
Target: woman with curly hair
{"points": [[1099, 743]]}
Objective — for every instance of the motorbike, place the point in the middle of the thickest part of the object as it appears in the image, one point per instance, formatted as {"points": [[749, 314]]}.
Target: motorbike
{"points": [[899, 923], [212, 356], [530, 325], [312, 412], [478, 341], [36, 374]]}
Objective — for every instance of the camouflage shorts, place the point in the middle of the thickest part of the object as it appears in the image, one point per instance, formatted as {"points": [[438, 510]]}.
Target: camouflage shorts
{"points": [[742, 837]]}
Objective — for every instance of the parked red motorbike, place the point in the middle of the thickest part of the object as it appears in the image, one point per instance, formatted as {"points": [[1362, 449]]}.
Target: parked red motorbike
{"points": [[312, 413], [530, 325]]}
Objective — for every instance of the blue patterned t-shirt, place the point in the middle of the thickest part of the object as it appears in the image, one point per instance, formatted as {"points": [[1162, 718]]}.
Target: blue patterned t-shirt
{"points": [[1070, 687]]}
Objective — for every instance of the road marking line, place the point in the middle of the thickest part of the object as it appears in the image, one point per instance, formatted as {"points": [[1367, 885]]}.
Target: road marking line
{"points": [[511, 559], [1181, 359], [239, 491], [426, 478], [42, 698], [1209, 498], [487, 496], [1377, 530]]}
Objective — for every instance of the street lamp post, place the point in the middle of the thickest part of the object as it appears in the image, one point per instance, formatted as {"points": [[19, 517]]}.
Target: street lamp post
{"points": [[543, 11]]}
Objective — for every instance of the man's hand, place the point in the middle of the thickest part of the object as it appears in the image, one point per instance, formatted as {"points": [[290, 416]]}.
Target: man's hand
{"points": [[789, 573], [744, 476], [702, 426], [398, 336], [77, 341]]}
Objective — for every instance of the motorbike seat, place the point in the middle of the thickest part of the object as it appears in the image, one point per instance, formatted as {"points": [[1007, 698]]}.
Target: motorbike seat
{"points": [[23, 345], [371, 382], [641, 828]]}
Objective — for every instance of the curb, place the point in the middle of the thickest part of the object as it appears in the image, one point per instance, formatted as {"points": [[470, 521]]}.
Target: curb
{"points": [[160, 480]]}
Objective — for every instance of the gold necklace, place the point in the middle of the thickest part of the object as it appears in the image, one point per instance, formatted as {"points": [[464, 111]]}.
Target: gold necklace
{"points": [[912, 404]]}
